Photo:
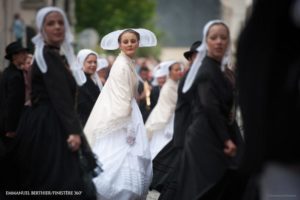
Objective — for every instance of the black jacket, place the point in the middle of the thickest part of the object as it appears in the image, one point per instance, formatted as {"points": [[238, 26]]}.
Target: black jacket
{"points": [[12, 97]]}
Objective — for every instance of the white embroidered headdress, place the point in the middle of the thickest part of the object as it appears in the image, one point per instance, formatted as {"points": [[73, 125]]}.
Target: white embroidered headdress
{"points": [[66, 46], [202, 51], [110, 41]]}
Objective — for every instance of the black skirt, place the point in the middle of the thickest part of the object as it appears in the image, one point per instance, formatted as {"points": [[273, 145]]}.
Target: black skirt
{"points": [[164, 166], [45, 161]]}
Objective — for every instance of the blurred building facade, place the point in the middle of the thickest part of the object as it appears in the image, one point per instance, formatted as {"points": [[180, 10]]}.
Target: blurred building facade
{"points": [[180, 21], [183, 21], [27, 10]]}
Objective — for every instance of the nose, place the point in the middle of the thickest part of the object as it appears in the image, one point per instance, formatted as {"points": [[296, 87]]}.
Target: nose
{"points": [[58, 25]]}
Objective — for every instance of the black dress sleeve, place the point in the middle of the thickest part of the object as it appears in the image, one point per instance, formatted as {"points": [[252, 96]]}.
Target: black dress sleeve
{"points": [[59, 88], [209, 96]]}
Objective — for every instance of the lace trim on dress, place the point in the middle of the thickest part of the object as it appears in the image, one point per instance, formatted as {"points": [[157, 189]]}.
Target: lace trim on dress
{"points": [[110, 127]]}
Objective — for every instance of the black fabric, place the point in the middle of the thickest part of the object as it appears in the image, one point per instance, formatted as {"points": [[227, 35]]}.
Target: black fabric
{"points": [[43, 157], [57, 87], [154, 96], [164, 164], [268, 78], [12, 98], [145, 110], [88, 94]]}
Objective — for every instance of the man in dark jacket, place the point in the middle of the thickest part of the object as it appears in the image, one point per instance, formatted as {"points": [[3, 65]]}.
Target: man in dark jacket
{"points": [[12, 97]]}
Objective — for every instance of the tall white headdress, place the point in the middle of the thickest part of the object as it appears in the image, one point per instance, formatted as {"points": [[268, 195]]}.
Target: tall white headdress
{"points": [[202, 51], [110, 41], [66, 46]]}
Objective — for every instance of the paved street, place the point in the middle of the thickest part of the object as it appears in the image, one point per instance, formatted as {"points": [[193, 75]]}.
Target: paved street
{"points": [[153, 195]]}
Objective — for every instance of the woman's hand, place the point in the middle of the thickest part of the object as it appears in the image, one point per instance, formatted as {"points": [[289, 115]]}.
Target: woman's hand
{"points": [[10, 134], [230, 148], [74, 142]]}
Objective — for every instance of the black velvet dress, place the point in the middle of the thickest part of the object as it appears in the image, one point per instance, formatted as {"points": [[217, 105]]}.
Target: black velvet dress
{"points": [[46, 163], [87, 97]]}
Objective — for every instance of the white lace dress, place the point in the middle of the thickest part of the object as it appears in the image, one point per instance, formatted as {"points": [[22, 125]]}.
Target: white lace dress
{"points": [[117, 134]]}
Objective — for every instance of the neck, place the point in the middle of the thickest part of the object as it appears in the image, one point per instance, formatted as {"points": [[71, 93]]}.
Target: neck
{"points": [[129, 56]]}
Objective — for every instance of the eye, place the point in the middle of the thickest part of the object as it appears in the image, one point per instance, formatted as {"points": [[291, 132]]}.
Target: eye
{"points": [[50, 23], [61, 22], [223, 37]]}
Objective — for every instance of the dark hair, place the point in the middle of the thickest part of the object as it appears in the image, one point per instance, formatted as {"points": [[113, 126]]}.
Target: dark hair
{"points": [[145, 69], [129, 31]]}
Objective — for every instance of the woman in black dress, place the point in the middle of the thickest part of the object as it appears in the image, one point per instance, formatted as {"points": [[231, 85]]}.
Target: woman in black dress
{"points": [[90, 90], [49, 133], [212, 138], [167, 160]]}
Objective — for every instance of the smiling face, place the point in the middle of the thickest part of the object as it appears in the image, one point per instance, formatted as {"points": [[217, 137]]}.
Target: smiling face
{"points": [[128, 43], [217, 41], [90, 64], [54, 29]]}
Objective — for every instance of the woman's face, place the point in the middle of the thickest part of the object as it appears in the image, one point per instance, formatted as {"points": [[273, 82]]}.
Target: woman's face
{"points": [[161, 80], [54, 29], [90, 64], [28, 62], [217, 41], [129, 43], [176, 72]]}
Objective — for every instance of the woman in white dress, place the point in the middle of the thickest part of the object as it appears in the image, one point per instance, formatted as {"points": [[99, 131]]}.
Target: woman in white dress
{"points": [[159, 125], [115, 127]]}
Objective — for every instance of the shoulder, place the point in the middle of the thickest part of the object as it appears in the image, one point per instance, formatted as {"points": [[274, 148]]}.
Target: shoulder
{"points": [[209, 68], [120, 66], [12, 72]]}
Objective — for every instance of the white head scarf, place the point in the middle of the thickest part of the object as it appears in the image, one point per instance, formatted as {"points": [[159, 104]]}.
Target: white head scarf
{"points": [[101, 64], [163, 69], [202, 51], [110, 41], [82, 56], [66, 46]]}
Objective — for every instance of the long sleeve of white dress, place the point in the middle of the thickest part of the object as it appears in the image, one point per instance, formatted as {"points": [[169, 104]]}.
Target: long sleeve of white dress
{"points": [[164, 109]]}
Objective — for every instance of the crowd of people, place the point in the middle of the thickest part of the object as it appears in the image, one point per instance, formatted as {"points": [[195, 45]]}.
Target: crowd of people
{"points": [[115, 129]]}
